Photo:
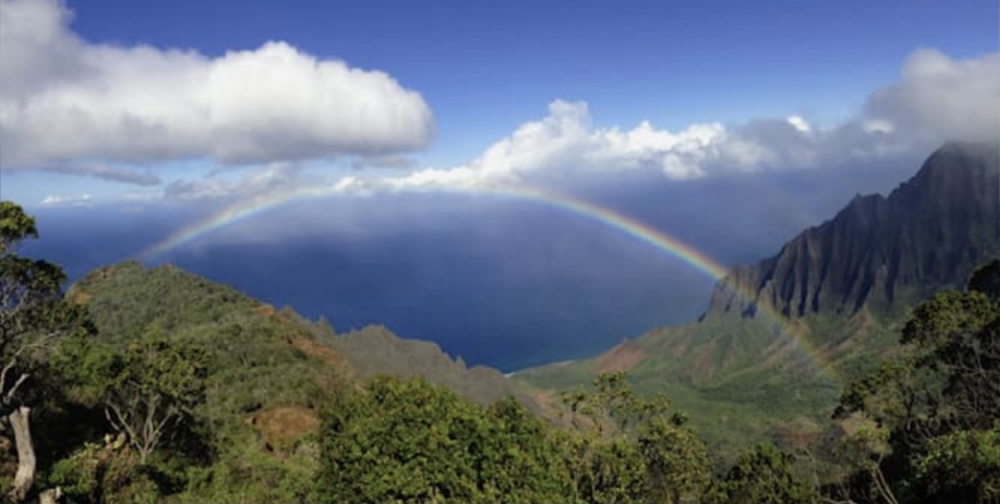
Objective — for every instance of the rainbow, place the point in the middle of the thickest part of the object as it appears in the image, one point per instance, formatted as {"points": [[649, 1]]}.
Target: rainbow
{"points": [[796, 336], [230, 215]]}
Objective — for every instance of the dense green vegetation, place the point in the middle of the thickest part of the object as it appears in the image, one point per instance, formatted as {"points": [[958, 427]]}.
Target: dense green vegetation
{"points": [[153, 385], [928, 420]]}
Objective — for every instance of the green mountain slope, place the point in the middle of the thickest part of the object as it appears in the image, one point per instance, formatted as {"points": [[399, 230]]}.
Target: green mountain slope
{"points": [[269, 374], [842, 290], [125, 299], [375, 350]]}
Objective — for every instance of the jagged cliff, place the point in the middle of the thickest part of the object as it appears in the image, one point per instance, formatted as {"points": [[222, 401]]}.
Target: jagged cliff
{"points": [[884, 252]]}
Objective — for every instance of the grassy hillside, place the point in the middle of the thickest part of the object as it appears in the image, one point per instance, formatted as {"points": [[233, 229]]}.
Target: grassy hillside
{"points": [[737, 394], [375, 350], [269, 371]]}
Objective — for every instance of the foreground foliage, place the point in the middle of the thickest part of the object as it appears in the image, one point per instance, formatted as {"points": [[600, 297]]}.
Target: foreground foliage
{"points": [[408, 441], [930, 417], [33, 319]]}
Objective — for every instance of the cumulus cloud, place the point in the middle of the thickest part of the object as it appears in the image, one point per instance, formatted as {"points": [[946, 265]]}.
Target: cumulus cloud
{"points": [[567, 138], [942, 97], [566, 141], [936, 98], [65, 99], [565, 146]]}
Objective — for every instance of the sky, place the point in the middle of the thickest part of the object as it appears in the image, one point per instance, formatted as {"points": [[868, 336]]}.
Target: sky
{"points": [[381, 161], [132, 99]]}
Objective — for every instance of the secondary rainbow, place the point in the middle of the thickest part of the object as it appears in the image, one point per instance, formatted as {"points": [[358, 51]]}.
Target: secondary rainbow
{"points": [[603, 215]]}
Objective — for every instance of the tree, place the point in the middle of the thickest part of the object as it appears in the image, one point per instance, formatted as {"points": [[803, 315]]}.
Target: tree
{"points": [[611, 404], [962, 466], [409, 441], [930, 414], [518, 461], [151, 387], [399, 441], [764, 476], [33, 316], [628, 448], [677, 464]]}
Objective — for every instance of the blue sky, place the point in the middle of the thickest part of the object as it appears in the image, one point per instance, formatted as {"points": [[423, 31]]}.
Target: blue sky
{"points": [[485, 68]]}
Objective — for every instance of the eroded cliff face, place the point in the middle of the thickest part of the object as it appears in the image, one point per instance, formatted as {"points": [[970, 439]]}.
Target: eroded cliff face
{"points": [[883, 252]]}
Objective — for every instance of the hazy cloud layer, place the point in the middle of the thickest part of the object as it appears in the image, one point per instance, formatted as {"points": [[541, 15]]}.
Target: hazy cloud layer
{"points": [[63, 99], [389, 162], [267, 179], [110, 173], [66, 201], [124, 202]]}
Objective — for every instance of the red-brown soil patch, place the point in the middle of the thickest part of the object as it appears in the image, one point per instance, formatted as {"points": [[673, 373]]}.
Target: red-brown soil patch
{"points": [[622, 357], [81, 298], [797, 434], [547, 401], [316, 349], [280, 425]]}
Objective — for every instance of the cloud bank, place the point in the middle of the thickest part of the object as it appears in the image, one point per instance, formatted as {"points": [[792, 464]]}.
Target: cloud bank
{"points": [[936, 98], [106, 172], [65, 101]]}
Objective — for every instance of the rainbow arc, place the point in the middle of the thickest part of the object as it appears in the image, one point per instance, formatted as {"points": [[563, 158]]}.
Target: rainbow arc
{"points": [[791, 332]]}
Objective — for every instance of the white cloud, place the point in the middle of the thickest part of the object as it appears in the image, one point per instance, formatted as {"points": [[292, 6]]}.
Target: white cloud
{"points": [[941, 97], [565, 142], [565, 146], [66, 201], [123, 201], [83, 104], [935, 99], [65, 100], [799, 123]]}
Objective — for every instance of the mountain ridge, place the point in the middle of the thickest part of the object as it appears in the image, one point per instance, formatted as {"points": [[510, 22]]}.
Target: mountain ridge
{"points": [[881, 249], [183, 302]]}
